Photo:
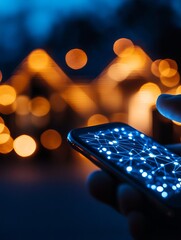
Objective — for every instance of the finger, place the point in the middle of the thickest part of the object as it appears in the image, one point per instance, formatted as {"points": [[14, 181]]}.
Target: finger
{"points": [[129, 199], [103, 187], [170, 106], [176, 148]]}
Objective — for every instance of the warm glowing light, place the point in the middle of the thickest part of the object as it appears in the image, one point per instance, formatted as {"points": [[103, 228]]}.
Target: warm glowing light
{"points": [[22, 105], [178, 90], [24, 145], [79, 100], [123, 47], [140, 113], [149, 93], [168, 68], [136, 60], [97, 119], [155, 68], [76, 58], [7, 146], [118, 71], [170, 81], [177, 123], [38, 60], [7, 95], [4, 137], [51, 139], [1, 76], [39, 106], [123, 67], [57, 103], [1, 125]]}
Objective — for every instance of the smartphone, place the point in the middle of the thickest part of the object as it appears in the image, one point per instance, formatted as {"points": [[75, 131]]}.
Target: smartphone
{"points": [[130, 155]]}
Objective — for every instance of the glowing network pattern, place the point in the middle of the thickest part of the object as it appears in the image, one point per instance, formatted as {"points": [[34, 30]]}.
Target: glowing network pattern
{"points": [[148, 162]]}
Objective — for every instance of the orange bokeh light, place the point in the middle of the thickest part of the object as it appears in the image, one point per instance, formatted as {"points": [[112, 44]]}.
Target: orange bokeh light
{"points": [[123, 67], [123, 47], [155, 67], [170, 81], [168, 68], [1, 125], [97, 119], [24, 145], [76, 58], [39, 106], [51, 139], [79, 100], [7, 95], [118, 71], [4, 137], [7, 147], [149, 93], [38, 60]]}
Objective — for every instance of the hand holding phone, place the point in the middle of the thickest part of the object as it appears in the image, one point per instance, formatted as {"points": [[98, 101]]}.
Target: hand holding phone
{"points": [[130, 155]]}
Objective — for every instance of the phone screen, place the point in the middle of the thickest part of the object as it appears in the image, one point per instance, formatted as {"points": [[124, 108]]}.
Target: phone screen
{"points": [[137, 155]]}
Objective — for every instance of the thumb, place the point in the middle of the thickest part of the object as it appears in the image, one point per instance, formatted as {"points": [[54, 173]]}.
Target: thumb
{"points": [[170, 106]]}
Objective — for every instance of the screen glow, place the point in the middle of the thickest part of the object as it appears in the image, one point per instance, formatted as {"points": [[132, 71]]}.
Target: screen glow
{"points": [[136, 154]]}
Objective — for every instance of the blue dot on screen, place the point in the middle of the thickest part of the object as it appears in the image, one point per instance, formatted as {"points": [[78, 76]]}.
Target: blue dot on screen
{"points": [[116, 130], [108, 152], [144, 174], [164, 194], [129, 168], [159, 188]]}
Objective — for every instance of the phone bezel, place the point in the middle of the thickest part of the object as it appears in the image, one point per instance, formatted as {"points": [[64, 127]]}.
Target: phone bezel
{"points": [[170, 206]]}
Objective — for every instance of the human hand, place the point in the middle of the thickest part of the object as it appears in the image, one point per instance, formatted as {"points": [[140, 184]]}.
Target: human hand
{"points": [[143, 218]]}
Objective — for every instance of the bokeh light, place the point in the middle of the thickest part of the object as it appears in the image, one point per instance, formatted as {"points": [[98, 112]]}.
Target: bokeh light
{"points": [[39, 106], [168, 68], [155, 67], [38, 60], [7, 147], [4, 137], [170, 81], [1, 125], [7, 95], [123, 47], [79, 100], [149, 93], [118, 71], [76, 58], [97, 119], [133, 62], [24, 145], [51, 139]]}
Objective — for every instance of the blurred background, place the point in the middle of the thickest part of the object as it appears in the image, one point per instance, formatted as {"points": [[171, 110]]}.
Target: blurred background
{"points": [[68, 64]]}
